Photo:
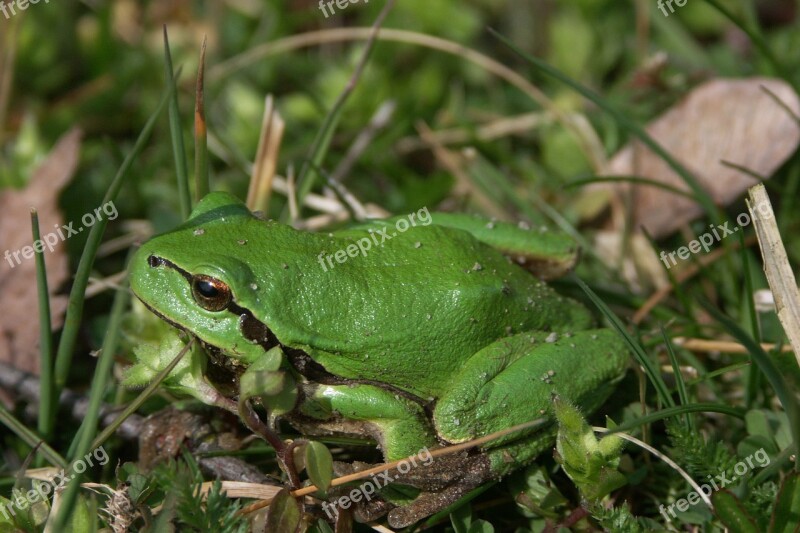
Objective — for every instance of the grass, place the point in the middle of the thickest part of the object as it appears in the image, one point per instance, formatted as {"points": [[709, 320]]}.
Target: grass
{"points": [[704, 412]]}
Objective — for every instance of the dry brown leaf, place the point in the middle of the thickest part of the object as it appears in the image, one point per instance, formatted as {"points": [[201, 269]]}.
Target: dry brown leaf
{"points": [[721, 120], [19, 328]]}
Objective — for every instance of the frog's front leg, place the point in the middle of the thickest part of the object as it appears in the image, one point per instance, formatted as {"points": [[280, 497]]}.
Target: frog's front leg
{"points": [[397, 421]]}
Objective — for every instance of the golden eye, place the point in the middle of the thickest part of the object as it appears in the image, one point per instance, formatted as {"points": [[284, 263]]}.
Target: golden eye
{"points": [[210, 293]]}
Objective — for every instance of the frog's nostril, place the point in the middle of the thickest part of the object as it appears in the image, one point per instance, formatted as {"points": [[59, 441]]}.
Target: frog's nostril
{"points": [[154, 261]]}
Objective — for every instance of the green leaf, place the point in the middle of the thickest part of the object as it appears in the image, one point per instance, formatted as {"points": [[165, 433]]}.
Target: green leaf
{"points": [[757, 424], [264, 377], [137, 485], [263, 383], [284, 513], [81, 521], [731, 513], [481, 526], [461, 519], [786, 514], [319, 464], [6, 519], [538, 494]]}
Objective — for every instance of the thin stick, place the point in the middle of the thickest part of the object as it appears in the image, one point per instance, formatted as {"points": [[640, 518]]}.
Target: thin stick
{"points": [[389, 466], [305, 179], [776, 265], [266, 161], [706, 345]]}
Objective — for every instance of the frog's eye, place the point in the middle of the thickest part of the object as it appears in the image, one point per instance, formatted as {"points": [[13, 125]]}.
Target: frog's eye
{"points": [[210, 293]]}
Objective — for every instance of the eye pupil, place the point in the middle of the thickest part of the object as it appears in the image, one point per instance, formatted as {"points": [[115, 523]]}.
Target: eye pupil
{"points": [[210, 293], [207, 289]]}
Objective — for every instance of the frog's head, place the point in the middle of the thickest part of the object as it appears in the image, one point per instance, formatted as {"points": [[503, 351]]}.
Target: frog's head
{"points": [[192, 277]]}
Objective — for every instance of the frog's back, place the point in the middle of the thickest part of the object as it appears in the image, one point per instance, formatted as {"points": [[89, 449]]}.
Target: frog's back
{"points": [[413, 307]]}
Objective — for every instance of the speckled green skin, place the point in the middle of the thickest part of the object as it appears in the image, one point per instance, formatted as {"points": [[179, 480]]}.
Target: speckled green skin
{"points": [[434, 312]]}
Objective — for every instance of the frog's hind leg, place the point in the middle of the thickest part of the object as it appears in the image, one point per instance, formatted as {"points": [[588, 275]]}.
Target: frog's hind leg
{"points": [[507, 383], [548, 254], [512, 382]]}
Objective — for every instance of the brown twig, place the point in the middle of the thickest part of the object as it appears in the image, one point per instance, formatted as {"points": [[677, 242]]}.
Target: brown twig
{"points": [[710, 345], [200, 130], [449, 450]]}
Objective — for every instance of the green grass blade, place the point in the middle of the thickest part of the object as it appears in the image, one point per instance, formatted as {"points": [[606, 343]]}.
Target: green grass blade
{"points": [[319, 148], [628, 179], [771, 372], [100, 381], [676, 369], [74, 313], [31, 439], [47, 403], [756, 38], [632, 127], [141, 398], [718, 372], [774, 467], [176, 134], [669, 412], [641, 357], [749, 304], [322, 141]]}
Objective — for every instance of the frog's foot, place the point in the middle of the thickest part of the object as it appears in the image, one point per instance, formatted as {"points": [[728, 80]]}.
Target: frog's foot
{"points": [[442, 481], [364, 511]]}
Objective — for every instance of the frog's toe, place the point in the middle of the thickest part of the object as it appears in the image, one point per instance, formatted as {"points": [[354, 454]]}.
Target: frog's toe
{"points": [[446, 470], [375, 509], [444, 481], [364, 511], [428, 503]]}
